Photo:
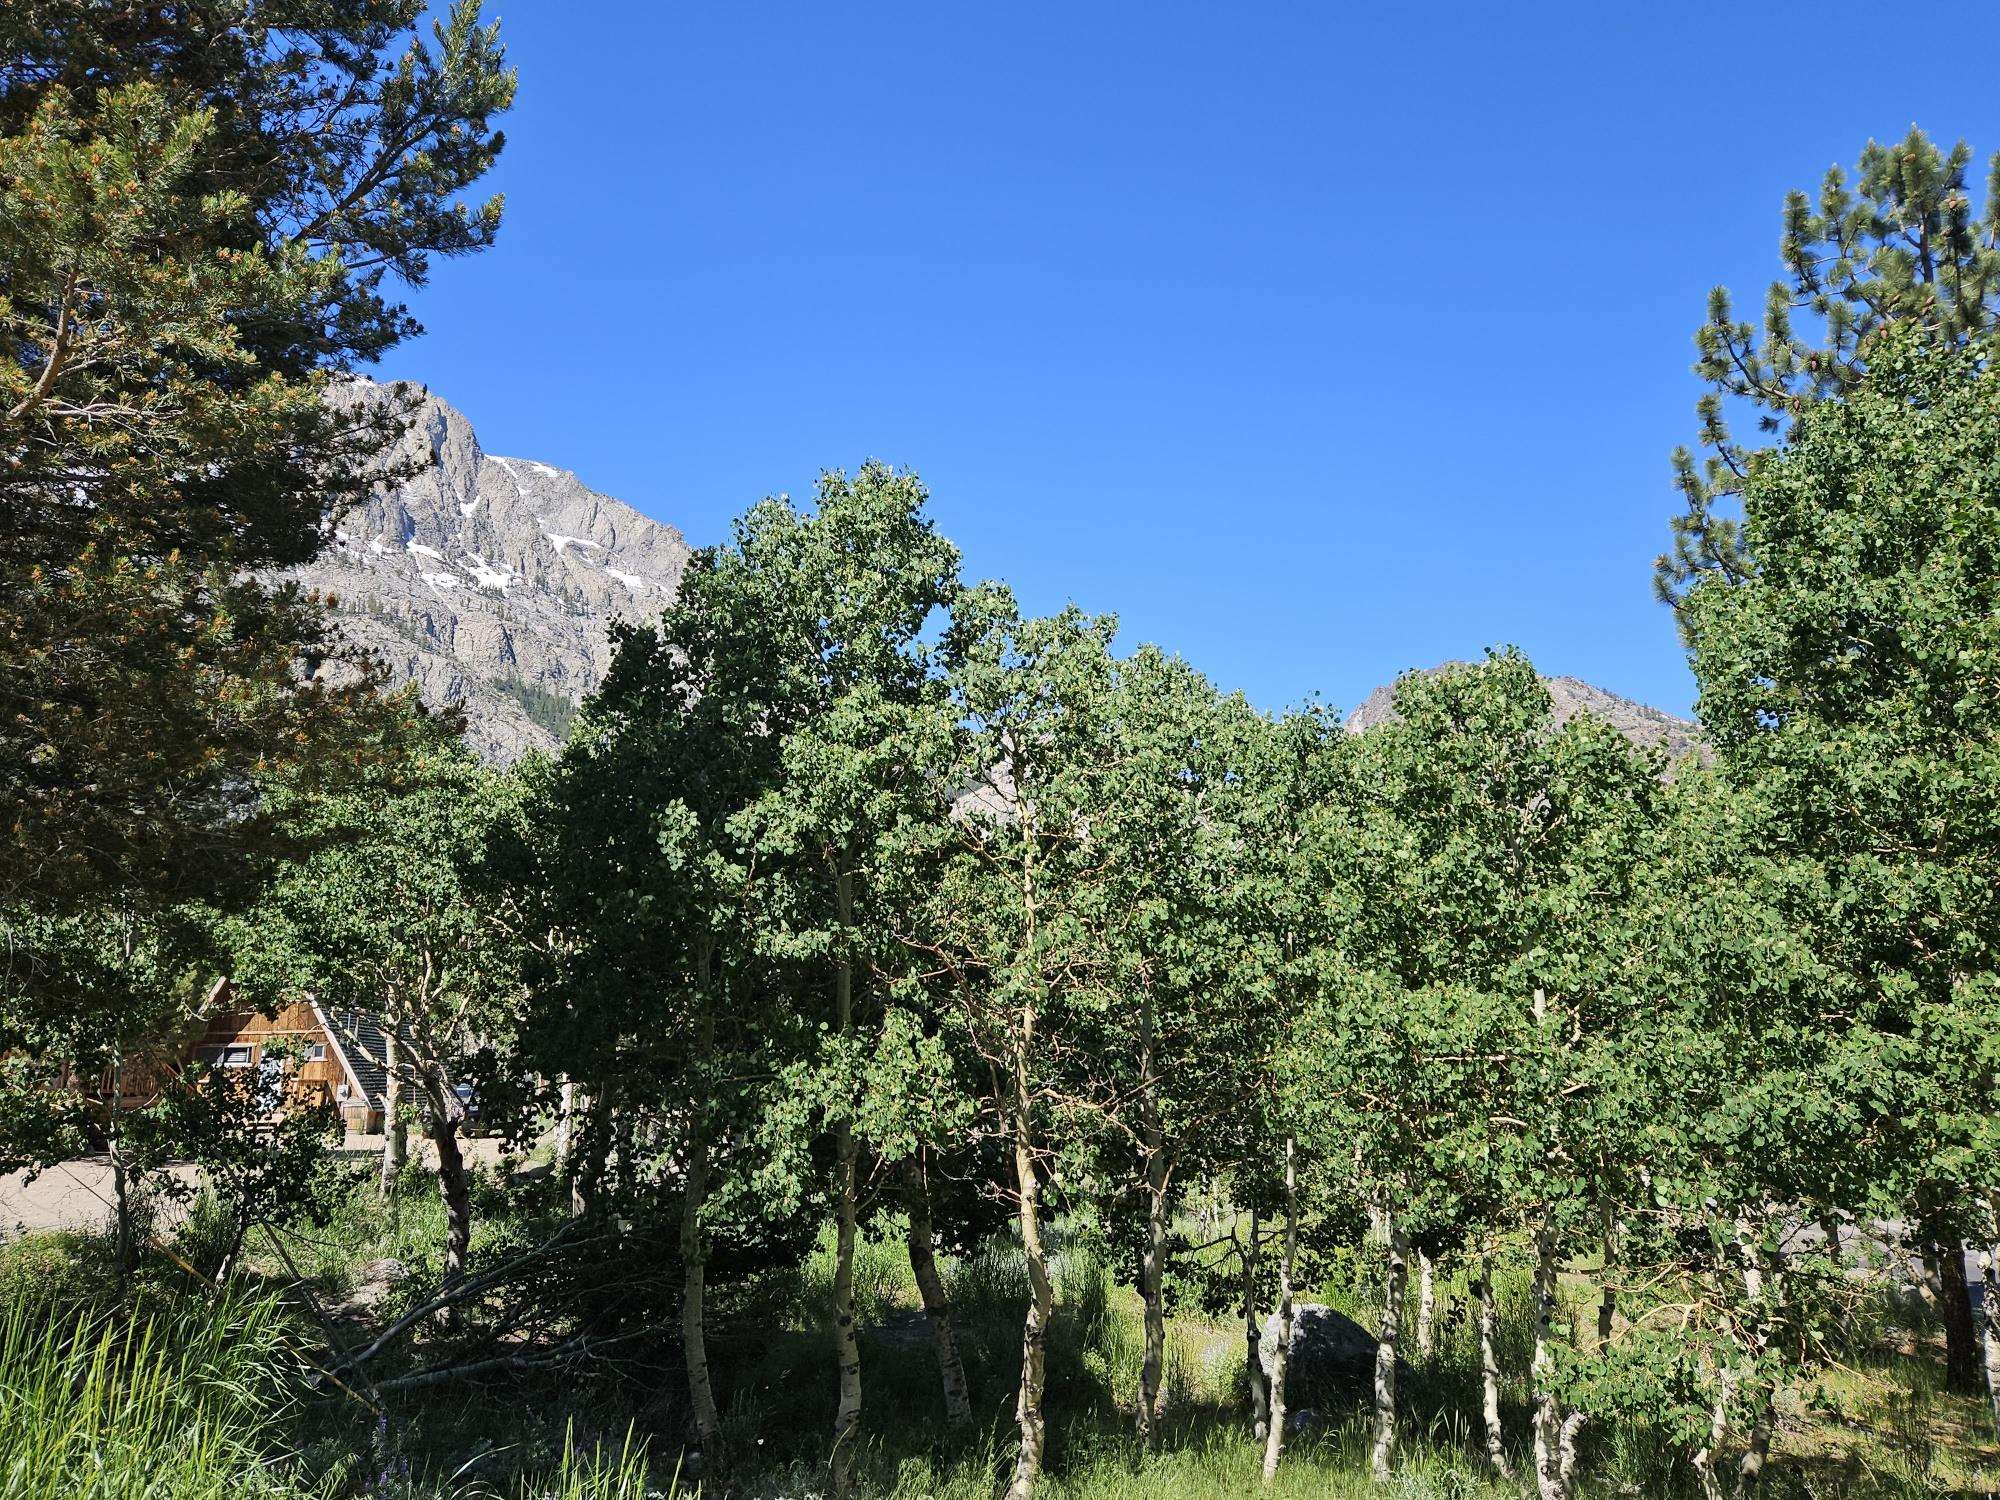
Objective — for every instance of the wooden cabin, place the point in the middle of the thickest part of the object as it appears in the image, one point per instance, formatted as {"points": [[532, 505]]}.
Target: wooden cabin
{"points": [[301, 1038], [309, 1056]]}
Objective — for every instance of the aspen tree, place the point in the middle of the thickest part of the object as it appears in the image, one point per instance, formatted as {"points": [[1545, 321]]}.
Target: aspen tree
{"points": [[645, 980], [831, 608], [1182, 1030], [1292, 853], [922, 1243], [387, 925], [1013, 925], [1492, 859]]}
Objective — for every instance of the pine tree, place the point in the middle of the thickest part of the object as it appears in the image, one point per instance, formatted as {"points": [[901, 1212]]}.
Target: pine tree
{"points": [[1902, 244], [201, 210]]}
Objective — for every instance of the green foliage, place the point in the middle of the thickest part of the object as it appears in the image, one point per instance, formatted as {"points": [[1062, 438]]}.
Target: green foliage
{"points": [[84, 997], [1849, 683], [1472, 1042], [856, 893], [199, 208], [387, 914]]}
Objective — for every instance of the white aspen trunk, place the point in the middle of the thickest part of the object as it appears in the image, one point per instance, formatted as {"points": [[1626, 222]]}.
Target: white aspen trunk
{"points": [[1253, 1339], [847, 1416], [694, 1288], [1989, 1328], [1750, 1471], [1281, 1359], [591, 1143], [565, 1164], [1426, 1304], [1489, 1370], [1607, 1297], [847, 1343], [1703, 1461], [1921, 1267], [694, 1197], [1028, 1409], [1152, 1294], [1383, 1449], [454, 1189], [1566, 1451], [937, 1306], [121, 1177], [626, 1157], [1555, 1435], [1152, 1257], [127, 1249], [395, 1131], [239, 1230], [1029, 1413]]}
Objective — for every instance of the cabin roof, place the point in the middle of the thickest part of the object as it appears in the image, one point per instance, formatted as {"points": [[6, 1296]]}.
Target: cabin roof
{"points": [[356, 1037]]}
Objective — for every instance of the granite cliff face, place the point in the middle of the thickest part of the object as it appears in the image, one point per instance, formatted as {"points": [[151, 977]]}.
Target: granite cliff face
{"points": [[492, 582], [1570, 696]]}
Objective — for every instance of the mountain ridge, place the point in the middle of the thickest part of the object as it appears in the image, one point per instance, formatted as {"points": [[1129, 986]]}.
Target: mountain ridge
{"points": [[1639, 722], [492, 582]]}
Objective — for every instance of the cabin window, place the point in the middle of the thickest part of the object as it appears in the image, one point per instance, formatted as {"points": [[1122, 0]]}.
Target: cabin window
{"points": [[238, 1055], [316, 1052]]}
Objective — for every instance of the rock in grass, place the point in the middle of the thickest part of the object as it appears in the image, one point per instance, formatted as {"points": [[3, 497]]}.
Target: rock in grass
{"points": [[1333, 1357]]}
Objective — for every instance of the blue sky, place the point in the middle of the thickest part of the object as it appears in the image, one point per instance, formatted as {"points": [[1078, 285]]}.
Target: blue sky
{"points": [[1315, 344]]}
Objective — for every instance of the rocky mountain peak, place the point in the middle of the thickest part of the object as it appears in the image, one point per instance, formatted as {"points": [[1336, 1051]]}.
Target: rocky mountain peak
{"points": [[491, 582], [1639, 723]]}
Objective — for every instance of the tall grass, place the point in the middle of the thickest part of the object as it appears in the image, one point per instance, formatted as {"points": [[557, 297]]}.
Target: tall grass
{"points": [[883, 1281], [177, 1396], [178, 1404], [196, 1396], [598, 1474]]}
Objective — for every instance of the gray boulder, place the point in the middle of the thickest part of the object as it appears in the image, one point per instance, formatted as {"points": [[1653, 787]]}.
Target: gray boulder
{"points": [[1333, 1357]]}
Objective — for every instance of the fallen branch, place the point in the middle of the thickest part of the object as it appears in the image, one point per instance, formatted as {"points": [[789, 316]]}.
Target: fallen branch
{"points": [[451, 1296], [575, 1348]]}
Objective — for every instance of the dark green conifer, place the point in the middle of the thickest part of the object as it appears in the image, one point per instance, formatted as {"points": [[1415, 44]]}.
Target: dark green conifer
{"points": [[1902, 243]]}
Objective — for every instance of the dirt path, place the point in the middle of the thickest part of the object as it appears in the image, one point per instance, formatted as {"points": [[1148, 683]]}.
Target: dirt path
{"points": [[74, 1196], [77, 1195]]}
